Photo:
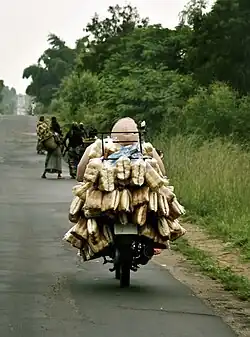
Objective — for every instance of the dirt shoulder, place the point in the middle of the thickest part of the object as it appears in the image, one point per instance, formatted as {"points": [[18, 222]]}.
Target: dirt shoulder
{"points": [[219, 250], [214, 273]]}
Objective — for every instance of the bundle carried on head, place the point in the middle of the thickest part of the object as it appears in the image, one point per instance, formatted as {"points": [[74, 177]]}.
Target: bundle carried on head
{"points": [[122, 184]]}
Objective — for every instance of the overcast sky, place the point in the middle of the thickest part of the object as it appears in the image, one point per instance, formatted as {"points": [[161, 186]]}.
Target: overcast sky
{"points": [[25, 25]]}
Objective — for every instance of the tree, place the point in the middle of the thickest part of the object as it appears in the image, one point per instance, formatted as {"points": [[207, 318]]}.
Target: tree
{"points": [[78, 89], [104, 35], [55, 63], [193, 13], [219, 48], [154, 47], [191, 79], [8, 99]]}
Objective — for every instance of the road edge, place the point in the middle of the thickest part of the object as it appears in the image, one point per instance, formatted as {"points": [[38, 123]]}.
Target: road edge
{"points": [[200, 273]]}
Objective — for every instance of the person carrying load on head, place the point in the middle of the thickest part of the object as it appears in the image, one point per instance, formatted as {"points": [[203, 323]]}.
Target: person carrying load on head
{"points": [[52, 144], [74, 148], [39, 147]]}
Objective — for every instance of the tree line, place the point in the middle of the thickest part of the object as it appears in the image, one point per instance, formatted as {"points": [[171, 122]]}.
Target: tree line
{"points": [[191, 79], [8, 99]]}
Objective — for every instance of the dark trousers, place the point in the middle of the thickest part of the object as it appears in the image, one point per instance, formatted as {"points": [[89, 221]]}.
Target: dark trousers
{"points": [[73, 160]]}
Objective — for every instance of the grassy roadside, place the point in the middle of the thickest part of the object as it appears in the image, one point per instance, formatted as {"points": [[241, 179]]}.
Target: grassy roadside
{"points": [[238, 285], [212, 181]]}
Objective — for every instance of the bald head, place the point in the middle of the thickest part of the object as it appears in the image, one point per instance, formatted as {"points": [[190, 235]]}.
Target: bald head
{"points": [[124, 125]]}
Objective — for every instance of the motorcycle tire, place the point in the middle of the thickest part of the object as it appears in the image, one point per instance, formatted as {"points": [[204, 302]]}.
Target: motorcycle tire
{"points": [[117, 273], [124, 275]]}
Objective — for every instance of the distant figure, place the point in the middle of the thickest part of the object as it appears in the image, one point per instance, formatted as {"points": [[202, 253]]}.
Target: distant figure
{"points": [[83, 130], [92, 133], [52, 143], [74, 146], [55, 126], [39, 147]]}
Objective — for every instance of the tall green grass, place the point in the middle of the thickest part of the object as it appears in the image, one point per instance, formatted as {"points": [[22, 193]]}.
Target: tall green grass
{"points": [[212, 180]]}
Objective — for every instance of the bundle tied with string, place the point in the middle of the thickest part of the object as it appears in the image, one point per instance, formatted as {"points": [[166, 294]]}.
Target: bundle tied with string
{"points": [[128, 186]]}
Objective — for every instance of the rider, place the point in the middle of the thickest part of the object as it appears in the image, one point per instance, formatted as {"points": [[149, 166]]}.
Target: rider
{"points": [[124, 131], [74, 147], [118, 133]]}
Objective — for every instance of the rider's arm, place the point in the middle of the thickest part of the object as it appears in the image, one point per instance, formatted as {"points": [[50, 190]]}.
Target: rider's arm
{"points": [[160, 162], [83, 164]]}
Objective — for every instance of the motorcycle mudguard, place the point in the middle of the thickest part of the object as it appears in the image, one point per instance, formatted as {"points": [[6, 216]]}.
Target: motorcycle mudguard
{"points": [[128, 229]]}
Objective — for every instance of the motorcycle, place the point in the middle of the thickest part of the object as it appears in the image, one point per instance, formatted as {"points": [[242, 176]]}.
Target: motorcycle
{"points": [[129, 249]]}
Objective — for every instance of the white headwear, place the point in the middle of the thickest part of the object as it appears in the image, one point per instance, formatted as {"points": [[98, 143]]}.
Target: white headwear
{"points": [[126, 124]]}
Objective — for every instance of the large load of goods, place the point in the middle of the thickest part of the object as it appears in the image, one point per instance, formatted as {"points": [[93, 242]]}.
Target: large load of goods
{"points": [[122, 184]]}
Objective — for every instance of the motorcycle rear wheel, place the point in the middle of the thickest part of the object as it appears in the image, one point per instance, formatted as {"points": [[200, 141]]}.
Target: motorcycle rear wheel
{"points": [[124, 275], [117, 273]]}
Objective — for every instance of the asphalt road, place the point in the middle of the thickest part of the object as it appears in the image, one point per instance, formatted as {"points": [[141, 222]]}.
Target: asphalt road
{"points": [[45, 292]]}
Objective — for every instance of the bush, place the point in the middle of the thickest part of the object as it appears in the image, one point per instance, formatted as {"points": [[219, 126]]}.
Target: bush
{"points": [[213, 182], [212, 111]]}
